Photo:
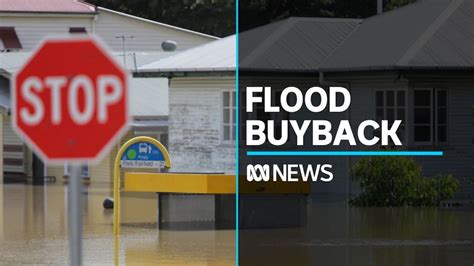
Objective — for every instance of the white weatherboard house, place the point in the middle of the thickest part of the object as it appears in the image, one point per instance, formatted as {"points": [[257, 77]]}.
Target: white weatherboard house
{"points": [[23, 24], [415, 64], [201, 106], [148, 108]]}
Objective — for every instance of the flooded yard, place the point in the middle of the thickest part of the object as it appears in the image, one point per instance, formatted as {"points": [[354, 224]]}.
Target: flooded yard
{"points": [[339, 235], [33, 230]]}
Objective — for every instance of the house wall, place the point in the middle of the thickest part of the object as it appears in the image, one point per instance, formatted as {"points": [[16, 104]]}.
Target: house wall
{"points": [[101, 173], [146, 36], [55, 170], [31, 29], [14, 152], [458, 158], [1, 151], [340, 186], [195, 129], [363, 108]]}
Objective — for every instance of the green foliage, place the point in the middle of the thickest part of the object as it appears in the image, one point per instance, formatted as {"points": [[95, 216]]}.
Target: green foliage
{"points": [[397, 181], [215, 17], [392, 4], [254, 13]]}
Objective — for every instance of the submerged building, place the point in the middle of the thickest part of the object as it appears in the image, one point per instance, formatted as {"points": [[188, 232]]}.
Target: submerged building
{"points": [[134, 41], [414, 64]]}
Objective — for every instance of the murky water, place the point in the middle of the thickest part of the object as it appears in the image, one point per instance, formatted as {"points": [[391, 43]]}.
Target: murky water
{"points": [[339, 235], [33, 230]]}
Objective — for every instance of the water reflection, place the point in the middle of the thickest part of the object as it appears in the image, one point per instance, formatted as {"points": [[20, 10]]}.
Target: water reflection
{"points": [[339, 235], [33, 230]]}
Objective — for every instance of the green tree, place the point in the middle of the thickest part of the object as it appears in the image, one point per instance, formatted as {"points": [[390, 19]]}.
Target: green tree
{"points": [[255, 13], [215, 17], [392, 4], [397, 181]]}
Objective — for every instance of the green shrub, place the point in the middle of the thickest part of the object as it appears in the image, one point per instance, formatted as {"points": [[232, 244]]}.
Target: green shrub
{"points": [[397, 181]]}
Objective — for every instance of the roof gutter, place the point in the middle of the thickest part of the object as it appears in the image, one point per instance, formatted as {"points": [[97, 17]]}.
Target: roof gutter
{"points": [[5, 73], [324, 83], [182, 73]]}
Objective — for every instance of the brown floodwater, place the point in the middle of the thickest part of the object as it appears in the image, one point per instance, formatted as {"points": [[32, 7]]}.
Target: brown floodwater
{"points": [[33, 230]]}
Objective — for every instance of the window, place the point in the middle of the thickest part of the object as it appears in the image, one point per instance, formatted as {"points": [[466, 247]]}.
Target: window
{"points": [[228, 134], [8, 39], [84, 170], [390, 105], [77, 30], [260, 114], [430, 116]]}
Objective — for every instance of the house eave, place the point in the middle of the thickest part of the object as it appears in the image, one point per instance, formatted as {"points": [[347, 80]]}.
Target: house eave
{"points": [[379, 68], [182, 73]]}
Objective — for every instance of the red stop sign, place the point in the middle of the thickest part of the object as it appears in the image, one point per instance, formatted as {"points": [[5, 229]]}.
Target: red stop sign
{"points": [[70, 100]]}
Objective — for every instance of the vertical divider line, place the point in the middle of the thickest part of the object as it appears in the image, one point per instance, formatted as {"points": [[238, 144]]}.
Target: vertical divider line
{"points": [[237, 125]]}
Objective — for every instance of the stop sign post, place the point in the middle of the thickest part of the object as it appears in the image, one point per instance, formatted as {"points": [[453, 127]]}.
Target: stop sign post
{"points": [[70, 104]]}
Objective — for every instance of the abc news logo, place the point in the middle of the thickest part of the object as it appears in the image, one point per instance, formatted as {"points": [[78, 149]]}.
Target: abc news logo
{"points": [[289, 172]]}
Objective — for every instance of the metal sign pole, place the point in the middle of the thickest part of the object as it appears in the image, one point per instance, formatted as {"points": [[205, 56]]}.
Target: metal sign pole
{"points": [[75, 215]]}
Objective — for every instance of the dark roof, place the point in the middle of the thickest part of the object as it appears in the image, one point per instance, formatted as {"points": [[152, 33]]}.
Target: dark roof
{"points": [[426, 34], [9, 38], [296, 43], [216, 56]]}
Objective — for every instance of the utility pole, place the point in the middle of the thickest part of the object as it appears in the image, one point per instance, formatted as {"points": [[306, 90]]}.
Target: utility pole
{"points": [[123, 37]]}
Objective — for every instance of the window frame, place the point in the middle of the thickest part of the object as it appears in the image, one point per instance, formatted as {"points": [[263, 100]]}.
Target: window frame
{"points": [[232, 116], [430, 106], [434, 125], [395, 107]]}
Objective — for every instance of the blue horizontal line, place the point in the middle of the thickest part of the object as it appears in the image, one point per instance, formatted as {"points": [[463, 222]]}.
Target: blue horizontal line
{"points": [[344, 153]]}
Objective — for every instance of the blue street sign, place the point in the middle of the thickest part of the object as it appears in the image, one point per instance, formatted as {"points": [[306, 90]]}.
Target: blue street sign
{"points": [[143, 155]]}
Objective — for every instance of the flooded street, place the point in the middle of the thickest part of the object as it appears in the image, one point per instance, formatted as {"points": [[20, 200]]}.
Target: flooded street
{"points": [[339, 235], [33, 230]]}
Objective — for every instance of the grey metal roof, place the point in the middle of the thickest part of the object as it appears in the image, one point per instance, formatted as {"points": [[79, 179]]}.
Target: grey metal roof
{"points": [[425, 34], [294, 44], [149, 125], [11, 62], [148, 96], [297, 44], [217, 55]]}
